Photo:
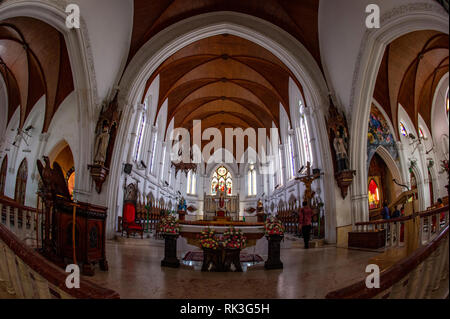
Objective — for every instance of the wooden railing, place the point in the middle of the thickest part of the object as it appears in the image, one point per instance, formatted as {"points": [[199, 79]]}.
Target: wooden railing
{"points": [[430, 225], [27, 275], [423, 274], [25, 222]]}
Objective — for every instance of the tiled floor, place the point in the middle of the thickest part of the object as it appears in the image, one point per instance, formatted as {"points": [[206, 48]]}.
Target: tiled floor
{"points": [[135, 272]]}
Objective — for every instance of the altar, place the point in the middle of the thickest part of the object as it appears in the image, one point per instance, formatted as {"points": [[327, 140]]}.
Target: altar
{"points": [[221, 207]]}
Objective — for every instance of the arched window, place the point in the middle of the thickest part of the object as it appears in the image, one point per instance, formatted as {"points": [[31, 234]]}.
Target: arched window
{"points": [[163, 163], [447, 102], [251, 180], [280, 173], [291, 157], [140, 134], [152, 159], [374, 195], [191, 183], [222, 180], [21, 182], [306, 147], [421, 133], [403, 130], [3, 172]]}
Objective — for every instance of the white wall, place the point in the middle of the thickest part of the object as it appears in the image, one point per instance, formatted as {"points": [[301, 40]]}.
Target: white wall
{"points": [[109, 24], [341, 29]]}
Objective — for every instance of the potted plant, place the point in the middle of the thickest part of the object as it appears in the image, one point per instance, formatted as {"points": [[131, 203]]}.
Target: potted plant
{"points": [[274, 232], [170, 230]]}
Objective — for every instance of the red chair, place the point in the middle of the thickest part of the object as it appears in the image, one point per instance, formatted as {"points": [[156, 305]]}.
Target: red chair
{"points": [[129, 224]]}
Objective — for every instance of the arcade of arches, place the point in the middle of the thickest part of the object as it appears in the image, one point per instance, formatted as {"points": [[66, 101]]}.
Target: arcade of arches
{"points": [[225, 112]]}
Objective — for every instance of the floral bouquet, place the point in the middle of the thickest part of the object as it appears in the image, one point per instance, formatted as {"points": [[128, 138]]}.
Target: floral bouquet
{"points": [[234, 238], [169, 225], [208, 239], [273, 226]]}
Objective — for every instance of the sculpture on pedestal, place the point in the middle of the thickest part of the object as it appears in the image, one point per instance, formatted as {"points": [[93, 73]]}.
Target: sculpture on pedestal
{"points": [[104, 143], [339, 141]]}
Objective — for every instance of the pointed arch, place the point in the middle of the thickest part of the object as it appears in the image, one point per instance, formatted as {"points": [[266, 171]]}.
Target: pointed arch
{"points": [[3, 173], [21, 182]]}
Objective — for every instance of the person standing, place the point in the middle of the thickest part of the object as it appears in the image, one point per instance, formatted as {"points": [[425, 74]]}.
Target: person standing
{"points": [[305, 217], [385, 211]]}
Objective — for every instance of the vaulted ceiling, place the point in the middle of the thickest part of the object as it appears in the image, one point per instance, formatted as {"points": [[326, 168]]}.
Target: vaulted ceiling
{"points": [[412, 67], [34, 62], [299, 18], [225, 81]]}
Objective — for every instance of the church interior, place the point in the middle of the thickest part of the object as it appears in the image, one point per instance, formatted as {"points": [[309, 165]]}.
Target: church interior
{"points": [[224, 149]]}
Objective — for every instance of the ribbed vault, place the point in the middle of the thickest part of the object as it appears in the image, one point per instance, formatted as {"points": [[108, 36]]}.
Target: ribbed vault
{"points": [[410, 71], [34, 62], [226, 82]]}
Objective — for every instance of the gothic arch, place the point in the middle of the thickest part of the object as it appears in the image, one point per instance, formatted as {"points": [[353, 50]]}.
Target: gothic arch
{"points": [[3, 173], [21, 182], [398, 22], [81, 61], [290, 51]]}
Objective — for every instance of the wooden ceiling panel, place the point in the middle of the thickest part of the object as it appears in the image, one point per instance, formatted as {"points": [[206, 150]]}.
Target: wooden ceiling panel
{"points": [[36, 55], [299, 18], [412, 67]]}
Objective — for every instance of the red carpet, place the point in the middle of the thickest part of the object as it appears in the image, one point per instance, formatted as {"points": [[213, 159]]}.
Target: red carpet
{"points": [[245, 258]]}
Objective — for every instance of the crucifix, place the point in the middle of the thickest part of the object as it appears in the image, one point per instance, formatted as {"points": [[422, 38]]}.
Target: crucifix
{"points": [[308, 179]]}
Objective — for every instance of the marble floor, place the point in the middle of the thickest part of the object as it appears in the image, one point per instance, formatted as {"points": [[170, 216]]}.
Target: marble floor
{"points": [[135, 272]]}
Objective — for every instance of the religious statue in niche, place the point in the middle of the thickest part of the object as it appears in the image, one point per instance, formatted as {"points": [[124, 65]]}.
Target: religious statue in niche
{"points": [[104, 142], [101, 145], [339, 141]]}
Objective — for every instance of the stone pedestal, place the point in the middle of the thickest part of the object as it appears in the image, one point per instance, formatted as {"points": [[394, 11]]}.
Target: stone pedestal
{"points": [[273, 260], [170, 251]]}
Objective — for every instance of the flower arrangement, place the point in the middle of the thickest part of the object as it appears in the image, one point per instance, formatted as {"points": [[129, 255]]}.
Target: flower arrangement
{"points": [[208, 239], [169, 225], [234, 238], [273, 226]]}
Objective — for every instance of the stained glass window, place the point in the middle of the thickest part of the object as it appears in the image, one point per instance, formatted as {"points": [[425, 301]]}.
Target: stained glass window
{"points": [[280, 173], [374, 195], [403, 130], [421, 134], [222, 180]]}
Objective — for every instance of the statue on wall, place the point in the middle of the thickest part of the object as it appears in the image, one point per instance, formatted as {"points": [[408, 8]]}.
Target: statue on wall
{"points": [[107, 126], [182, 205], [340, 147], [101, 145], [339, 141]]}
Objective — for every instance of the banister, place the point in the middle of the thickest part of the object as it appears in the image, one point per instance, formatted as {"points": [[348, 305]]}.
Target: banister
{"points": [[405, 218], [51, 273], [10, 202], [392, 275]]}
